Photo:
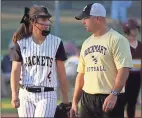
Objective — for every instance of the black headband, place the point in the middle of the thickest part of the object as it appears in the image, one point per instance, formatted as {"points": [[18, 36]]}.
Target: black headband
{"points": [[25, 18]]}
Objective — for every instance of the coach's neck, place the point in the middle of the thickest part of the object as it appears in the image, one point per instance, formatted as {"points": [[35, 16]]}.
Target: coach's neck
{"points": [[101, 31], [102, 28]]}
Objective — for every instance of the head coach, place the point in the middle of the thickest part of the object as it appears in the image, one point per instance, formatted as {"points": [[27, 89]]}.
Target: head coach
{"points": [[105, 60]]}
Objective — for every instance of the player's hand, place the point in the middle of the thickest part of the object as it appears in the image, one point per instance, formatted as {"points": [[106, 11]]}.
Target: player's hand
{"points": [[109, 103], [74, 111], [15, 102]]}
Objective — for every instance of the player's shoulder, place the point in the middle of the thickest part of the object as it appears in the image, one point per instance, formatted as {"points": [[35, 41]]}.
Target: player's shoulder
{"points": [[23, 41], [55, 38]]}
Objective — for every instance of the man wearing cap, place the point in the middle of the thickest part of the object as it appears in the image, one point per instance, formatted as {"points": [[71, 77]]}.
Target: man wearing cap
{"points": [[103, 68]]}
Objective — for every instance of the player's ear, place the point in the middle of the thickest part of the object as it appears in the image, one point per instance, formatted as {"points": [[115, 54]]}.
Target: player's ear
{"points": [[33, 23]]}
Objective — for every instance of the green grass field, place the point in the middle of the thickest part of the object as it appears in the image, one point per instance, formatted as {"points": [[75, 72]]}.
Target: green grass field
{"points": [[6, 106]]}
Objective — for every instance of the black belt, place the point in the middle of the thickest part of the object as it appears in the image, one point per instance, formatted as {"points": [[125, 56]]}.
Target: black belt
{"points": [[38, 89]]}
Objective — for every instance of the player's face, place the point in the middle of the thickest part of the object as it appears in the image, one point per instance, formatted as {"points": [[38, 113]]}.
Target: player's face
{"points": [[43, 23], [133, 33], [91, 24]]}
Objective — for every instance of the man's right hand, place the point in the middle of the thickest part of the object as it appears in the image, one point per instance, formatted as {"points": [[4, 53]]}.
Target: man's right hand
{"points": [[74, 111], [15, 101]]}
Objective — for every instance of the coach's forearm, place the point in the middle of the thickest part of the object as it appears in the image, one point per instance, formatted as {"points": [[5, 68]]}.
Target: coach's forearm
{"points": [[78, 88], [121, 79], [15, 78], [63, 81]]}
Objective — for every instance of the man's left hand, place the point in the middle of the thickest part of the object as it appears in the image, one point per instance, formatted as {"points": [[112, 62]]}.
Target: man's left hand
{"points": [[109, 103]]}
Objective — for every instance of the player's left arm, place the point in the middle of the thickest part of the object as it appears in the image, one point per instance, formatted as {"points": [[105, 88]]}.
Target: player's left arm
{"points": [[60, 58], [123, 62], [63, 81]]}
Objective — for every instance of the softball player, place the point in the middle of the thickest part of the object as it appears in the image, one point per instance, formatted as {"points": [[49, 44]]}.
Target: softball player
{"points": [[35, 58], [131, 28], [103, 68]]}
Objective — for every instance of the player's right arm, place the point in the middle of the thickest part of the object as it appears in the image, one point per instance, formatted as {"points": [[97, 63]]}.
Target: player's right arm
{"points": [[60, 58], [16, 59], [15, 78], [78, 85]]}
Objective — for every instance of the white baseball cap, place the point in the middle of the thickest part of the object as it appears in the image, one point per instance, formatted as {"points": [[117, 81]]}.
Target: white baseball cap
{"points": [[94, 9]]}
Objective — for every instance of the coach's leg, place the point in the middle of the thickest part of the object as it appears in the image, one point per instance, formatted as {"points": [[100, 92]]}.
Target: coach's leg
{"points": [[118, 111], [46, 108], [84, 113], [27, 108], [90, 106], [84, 107]]}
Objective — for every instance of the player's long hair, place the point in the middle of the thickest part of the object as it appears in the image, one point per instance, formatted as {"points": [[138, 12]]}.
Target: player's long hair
{"points": [[25, 30]]}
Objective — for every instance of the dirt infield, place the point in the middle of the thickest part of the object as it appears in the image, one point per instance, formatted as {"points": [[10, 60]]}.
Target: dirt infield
{"points": [[14, 115]]}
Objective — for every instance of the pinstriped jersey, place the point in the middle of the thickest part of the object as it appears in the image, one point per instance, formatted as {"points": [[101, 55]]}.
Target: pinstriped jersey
{"points": [[39, 60]]}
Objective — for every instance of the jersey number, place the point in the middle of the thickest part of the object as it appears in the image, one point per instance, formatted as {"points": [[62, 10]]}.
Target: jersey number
{"points": [[49, 75]]}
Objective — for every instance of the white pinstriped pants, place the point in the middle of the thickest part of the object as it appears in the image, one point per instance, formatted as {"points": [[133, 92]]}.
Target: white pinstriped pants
{"points": [[37, 104]]}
